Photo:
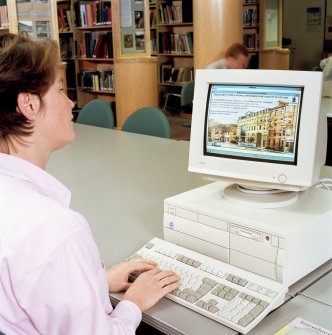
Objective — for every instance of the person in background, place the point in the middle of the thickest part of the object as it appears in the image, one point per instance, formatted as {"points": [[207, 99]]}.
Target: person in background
{"points": [[52, 280], [236, 57]]}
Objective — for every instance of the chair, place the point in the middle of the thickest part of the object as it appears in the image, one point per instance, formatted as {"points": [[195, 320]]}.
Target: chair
{"points": [[148, 121], [186, 99], [97, 113], [187, 96]]}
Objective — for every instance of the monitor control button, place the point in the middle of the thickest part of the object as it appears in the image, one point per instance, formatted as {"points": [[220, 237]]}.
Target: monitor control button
{"points": [[282, 178]]}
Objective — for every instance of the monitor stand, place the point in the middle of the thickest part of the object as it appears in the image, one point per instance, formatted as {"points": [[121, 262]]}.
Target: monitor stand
{"points": [[259, 198]]}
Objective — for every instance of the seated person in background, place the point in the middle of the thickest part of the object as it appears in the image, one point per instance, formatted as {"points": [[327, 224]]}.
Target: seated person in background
{"points": [[52, 280], [236, 57]]}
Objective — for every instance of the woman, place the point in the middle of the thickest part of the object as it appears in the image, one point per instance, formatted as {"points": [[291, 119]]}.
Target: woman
{"points": [[51, 278]]}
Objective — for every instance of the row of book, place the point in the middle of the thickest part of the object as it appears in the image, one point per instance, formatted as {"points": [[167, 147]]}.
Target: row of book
{"points": [[172, 43], [65, 19], [171, 13], [175, 12], [251, 41], [4, 22], [96, 80], [94, 13], [153, 18], [96, 44], [173, 75], [246, 2], [250, 17]]}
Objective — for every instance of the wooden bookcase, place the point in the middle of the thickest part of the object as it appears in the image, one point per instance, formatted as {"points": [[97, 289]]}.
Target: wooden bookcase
{"points": [[174, 46], [91, 56], [9, 24], [104, 55], [66, 26], [251, 38]]}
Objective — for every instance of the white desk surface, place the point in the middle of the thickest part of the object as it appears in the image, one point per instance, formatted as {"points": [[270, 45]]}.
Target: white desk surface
{"points": [[299, 307], [321, 290], [118, 182]]}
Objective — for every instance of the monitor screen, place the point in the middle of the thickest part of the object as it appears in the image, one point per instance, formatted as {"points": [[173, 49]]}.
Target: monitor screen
{"points": [[261, 128], [253, 122]]}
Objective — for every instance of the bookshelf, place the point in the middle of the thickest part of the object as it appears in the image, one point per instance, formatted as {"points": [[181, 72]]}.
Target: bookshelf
{"points": [[4, 17], [66, 26], [89, 42], [250, 14], [174, 46]]}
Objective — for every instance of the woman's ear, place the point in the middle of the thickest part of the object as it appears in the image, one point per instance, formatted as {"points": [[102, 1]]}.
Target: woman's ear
{"points": [[28, 104]]}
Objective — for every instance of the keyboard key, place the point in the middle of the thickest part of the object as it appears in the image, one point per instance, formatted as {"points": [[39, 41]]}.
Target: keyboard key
{"points": [[256, 310], [245, 320]]}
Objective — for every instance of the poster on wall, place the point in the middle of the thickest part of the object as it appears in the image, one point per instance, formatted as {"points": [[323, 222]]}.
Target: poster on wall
{"points": [[132, 26], [314, 23]]}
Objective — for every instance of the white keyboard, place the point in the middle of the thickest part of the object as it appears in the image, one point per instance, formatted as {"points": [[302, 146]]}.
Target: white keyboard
{"points": [[234, 297]]}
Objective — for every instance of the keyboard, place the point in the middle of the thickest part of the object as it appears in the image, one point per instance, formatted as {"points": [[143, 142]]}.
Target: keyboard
{"points": [[236, 298]]}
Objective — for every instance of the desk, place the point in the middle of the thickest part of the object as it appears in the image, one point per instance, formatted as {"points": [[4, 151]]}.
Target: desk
{"points": [[119, 181], [300, 306], [321, 290]]}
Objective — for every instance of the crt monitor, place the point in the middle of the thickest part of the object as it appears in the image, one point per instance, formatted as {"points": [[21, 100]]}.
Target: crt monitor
{"points": [[260, 130]]}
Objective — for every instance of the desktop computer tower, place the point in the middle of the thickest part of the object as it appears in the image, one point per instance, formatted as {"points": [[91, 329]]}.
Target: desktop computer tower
{"points": [[283, 244]]}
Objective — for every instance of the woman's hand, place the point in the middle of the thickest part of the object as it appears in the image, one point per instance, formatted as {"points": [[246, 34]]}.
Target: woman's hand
{"points": [[118, 275], [151, 286]]}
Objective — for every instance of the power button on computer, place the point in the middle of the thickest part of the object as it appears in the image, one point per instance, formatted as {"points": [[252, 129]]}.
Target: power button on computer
{"points": [[282, 178]]}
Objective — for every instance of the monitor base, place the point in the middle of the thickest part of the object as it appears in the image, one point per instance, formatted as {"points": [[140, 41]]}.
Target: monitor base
{"points": [[261, 198]]}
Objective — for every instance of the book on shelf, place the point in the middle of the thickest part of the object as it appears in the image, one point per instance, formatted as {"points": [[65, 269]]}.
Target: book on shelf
{"points": [[250, 40], [173, 43], [176, 12], [153, 19], [97, 79], [96, 44], [165, 72], [91, 13], [250, 2], [250, 17], [4, 22]]}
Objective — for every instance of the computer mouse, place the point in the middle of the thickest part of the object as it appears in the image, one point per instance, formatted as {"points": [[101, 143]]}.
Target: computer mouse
{"points": [[302, 331]]}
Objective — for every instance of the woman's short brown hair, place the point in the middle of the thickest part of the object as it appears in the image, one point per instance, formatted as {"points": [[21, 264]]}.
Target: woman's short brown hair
{"points": [[26, 66]]}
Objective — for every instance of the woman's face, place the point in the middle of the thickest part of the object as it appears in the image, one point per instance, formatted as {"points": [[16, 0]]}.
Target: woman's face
{"points": [[54, 123]]}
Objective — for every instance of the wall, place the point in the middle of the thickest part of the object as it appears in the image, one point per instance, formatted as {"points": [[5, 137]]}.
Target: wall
{"points": [[306, 45]]}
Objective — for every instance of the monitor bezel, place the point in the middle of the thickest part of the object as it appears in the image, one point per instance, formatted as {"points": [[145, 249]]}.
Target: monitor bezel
{"points": [[310, 154]]}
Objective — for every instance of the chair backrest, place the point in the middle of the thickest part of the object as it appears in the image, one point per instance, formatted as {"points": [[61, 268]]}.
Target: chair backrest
{"points": [[149, 121], [97, 113], [187, 94]]}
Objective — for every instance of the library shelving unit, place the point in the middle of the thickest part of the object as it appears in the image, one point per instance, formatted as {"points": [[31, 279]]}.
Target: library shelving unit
{"points": [[8, 20], [66, 25], [251, 29], [94, 61], [175, 46]]}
